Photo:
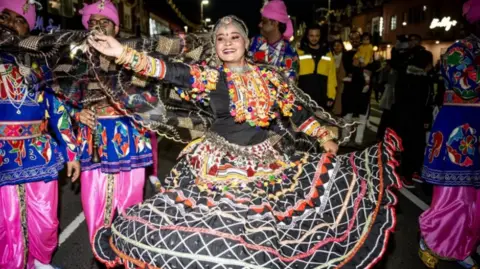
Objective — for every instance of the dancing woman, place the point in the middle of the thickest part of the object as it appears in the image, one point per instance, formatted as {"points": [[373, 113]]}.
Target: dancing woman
{"points": [[234, 199]]}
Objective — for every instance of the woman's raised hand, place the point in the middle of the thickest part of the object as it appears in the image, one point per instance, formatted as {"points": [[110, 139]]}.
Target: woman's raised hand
{"points": [[106, 45]]}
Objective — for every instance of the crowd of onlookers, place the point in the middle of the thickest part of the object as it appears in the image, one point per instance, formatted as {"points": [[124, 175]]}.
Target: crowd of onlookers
{"points": [[407, 87]]}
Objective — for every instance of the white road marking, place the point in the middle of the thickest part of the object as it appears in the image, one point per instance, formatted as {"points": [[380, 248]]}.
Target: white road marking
{"points": [[374, 120], [372, 128], [414, 199], [68, 231]]}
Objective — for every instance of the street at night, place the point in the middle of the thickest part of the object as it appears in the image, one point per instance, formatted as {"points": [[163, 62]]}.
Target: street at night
{"points": [[230, 134]]}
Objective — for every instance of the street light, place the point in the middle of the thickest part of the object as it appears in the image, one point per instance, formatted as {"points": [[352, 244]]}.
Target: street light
{"points": [[204, 2], [207, 20]]}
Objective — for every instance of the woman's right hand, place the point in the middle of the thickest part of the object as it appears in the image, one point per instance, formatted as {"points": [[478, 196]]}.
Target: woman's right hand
{"points": [[106, 45], [87, 117]]}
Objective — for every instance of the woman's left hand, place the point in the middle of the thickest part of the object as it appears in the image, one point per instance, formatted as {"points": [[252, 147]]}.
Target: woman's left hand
{"points": [[330, 147]]}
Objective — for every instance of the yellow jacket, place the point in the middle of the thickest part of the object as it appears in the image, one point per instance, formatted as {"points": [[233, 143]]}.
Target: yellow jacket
{"points": [[325, 67]]}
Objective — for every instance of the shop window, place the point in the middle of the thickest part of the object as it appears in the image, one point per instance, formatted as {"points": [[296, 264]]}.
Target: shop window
{"points": [[393, 22], [416, 15], [157, 28], [61, 7]]}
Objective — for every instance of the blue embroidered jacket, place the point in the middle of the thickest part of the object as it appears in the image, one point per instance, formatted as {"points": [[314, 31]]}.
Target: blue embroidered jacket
{"points": [[36, 136], [123, 145]]}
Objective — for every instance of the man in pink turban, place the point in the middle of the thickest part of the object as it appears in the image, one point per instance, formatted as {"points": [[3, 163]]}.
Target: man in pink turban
{"points": [[14, 12], [115, 182], [450, 228], [30, 156], [273, 45], [103, 14]]}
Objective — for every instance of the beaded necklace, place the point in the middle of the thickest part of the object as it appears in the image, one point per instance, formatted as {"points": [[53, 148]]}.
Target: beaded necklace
{"points": [[15, 97], [254, 93]]}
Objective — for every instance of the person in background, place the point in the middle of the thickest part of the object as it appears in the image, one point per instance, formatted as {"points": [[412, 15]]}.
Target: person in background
{"points": [[365, 56], [355, 101], [117, 181], [30, 157], [450, 228], [413, 95], [381, 79], [317, 76], [338, 52], [273, 46], [399, 53], [387, 100]]}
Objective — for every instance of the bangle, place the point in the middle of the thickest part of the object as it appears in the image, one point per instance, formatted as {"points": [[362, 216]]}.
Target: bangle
{"points": [[122, 59]]}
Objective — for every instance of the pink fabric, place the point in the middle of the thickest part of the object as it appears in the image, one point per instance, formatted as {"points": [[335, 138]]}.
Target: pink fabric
{"points": [[154, 141], [451, 227], [106, 9], [42, 224], [471, 10], [276, 10], [18, 7], [128, 191]]}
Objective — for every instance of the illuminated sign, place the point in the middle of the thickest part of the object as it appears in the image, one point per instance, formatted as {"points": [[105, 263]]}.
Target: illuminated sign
{"points": [[446, 23]]}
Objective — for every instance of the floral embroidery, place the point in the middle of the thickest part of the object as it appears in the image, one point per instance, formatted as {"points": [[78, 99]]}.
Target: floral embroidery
{"points": [[3, 160], [142, 142], [121, 140], [437, 142], [102, 148], [467, 145], [282, 54], [43, 147], [460, 145], [18, 147], [461, 74]]}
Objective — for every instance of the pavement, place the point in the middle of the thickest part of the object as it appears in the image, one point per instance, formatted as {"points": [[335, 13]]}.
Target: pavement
{"points": [[74, 248]]}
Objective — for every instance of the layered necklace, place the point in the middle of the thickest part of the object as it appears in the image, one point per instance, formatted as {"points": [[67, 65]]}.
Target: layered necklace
{"points": [[16, 97], [253, 93]]}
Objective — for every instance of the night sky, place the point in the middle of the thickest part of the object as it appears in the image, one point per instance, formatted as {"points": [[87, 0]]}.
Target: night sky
{"points": [[248, 10]]}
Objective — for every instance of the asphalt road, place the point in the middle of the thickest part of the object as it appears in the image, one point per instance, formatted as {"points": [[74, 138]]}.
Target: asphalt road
{"points": [[74, 249]]}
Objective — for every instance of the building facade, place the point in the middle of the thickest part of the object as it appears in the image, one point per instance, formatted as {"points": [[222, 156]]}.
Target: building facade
{"points": [[438, 22]]}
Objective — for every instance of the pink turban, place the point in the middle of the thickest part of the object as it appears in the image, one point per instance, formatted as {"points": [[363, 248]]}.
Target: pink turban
{"points": [[276, 10], [105, 8], [24, 8], [471, 10]]}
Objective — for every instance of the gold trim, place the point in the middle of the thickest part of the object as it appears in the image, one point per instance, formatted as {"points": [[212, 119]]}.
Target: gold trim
{"points": [[23, 221], [428, 258], [109, 200]]}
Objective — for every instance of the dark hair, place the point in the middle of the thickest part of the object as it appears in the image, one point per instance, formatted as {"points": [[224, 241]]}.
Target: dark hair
{"points": [[417, 37], [282, 27], [313, 27], [422, 59], [338, 41], [364, 35], [323, 37]]}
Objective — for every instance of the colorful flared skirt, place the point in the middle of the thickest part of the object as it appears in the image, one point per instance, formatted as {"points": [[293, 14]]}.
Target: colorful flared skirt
{"points": [[226, 206]]}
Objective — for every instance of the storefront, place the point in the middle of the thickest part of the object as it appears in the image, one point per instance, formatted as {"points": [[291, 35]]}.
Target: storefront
{"points": [[158, 26]]}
